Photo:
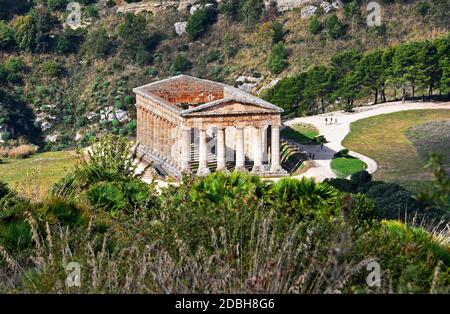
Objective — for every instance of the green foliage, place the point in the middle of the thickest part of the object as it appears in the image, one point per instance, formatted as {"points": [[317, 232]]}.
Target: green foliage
{"points": [[199, 22], [51, 69], [135, 43], [336, 29], [361, 177], [111, 159], [278, 32], [315, 25], [440, 194], [57, 4], [97, 44], [277, 61], [115, 197], [7, 36], [422, 8], [180, 64], [33, 31]]}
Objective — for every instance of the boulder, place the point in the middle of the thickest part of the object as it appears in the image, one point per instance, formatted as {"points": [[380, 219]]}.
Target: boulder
{"points": [[308, 11], [327, 7], [180, 27]]}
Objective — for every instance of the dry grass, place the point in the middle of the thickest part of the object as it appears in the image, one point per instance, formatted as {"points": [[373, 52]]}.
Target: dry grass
{"points": [[384, 139], [271, 265], [18, 152]]}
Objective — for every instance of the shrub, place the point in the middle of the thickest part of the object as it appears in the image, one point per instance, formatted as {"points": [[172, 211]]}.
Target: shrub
{"points": [[180, 64], [51, 69], [342, 153], [278, 58], [97, 44], [314, 25], [335, 27], [7, 40], [361, 177], [199, 22], [22, 151]]}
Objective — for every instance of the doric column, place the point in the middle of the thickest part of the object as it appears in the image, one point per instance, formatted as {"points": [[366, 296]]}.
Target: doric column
{"points": [[264, 144], [257, 153], [139, 124], [150, 131], [158, 136], [221, 150], [186, 150], [164, 138], [203, 154], [275, 153], [240, 153]]}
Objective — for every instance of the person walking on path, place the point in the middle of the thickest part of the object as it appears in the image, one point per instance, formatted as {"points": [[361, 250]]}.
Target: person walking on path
{"points": [[326, 121]]}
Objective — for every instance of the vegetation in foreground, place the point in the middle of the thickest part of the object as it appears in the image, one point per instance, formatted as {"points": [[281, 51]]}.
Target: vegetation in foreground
{"points": [[384, 138], [222, 233]]}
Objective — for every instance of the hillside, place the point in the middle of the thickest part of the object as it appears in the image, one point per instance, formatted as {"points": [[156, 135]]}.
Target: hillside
{"points": [[60, 86]]}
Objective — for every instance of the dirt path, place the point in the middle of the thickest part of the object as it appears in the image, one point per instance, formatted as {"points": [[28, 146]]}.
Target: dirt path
{"points": [[336, 132]]}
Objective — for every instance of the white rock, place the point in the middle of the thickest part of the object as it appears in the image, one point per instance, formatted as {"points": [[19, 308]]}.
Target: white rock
{"points": [[308, 11], [180, 27], [78, 136], [51, 138], [194, 8], [326, 6], [46, 125], [337, 4]]}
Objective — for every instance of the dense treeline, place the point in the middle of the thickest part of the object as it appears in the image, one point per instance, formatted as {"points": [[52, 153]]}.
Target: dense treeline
{"points": [[408, 70]]}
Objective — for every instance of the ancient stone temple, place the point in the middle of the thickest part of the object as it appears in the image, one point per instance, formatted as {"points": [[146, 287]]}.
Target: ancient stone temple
{"points": [[186, 124]]}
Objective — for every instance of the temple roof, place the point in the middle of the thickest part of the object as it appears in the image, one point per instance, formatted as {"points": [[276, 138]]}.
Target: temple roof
{"points": [[187, 95]]}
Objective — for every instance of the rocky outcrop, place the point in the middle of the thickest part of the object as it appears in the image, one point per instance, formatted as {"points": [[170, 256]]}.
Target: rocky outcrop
{"points": [[180, 27]]}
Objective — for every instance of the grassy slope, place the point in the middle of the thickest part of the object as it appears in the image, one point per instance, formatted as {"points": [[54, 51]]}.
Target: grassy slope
{"points": [[383, 138], [46, 168], [343, 167], [301, 133]]}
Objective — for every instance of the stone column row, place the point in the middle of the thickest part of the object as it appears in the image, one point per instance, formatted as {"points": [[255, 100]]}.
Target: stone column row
{"points": [[259, 155]]}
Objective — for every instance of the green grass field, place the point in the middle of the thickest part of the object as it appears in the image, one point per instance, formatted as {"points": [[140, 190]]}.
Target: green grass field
{"points": [[46, 168], [301, 133], [384, 138], [344, 166]]}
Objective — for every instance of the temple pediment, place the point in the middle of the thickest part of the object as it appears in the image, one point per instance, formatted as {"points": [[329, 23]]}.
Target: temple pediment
{"points": [[228, 107]]}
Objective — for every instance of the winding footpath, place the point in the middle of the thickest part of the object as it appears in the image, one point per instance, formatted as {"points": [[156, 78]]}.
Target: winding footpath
{"points": [[336, 132]]}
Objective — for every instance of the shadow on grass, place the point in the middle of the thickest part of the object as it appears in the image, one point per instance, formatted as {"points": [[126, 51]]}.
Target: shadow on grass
{"points": [[296, 136]]}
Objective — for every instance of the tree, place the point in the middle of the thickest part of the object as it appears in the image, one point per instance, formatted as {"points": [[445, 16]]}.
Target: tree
{"points": [[318, 86], [7, 40], [230, 8], [180, 64], [278, 58], [251, 12], [278, 32], [347, 85], [135, 42], [443, 55], [199, 21], [287, 94], [33, 31], [11, 7], [97, 44], [370, 73]]}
